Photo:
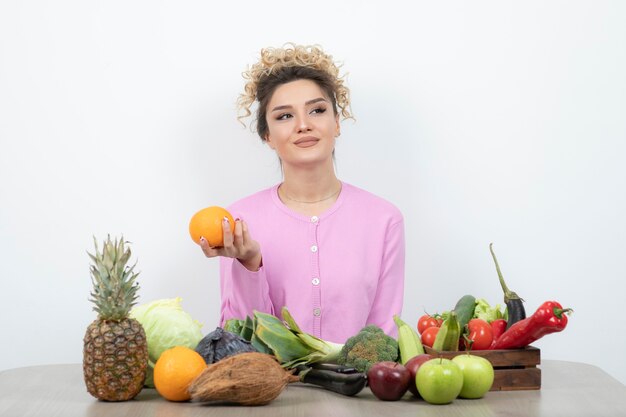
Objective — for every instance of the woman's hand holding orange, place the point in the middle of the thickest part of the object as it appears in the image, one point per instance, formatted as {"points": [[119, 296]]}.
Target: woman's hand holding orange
{"points": [[237, 244]]}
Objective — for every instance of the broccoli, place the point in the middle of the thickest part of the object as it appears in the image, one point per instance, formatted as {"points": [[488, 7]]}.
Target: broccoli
{"points": [[367, 347]]}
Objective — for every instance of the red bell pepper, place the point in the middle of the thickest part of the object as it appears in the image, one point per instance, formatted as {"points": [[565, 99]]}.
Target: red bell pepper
{"points": [[498, 327], [550, 317]]}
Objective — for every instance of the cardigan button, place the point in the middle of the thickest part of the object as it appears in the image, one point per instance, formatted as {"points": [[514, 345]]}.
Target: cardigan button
{"points": [[313, 248], [317, 312], [315, 281], [314, 219]]}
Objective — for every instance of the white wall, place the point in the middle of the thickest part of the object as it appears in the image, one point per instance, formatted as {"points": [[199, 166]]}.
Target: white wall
{"points": [[483, 121]]}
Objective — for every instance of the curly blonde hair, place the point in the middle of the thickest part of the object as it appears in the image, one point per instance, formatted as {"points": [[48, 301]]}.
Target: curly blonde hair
{"points": [[292, 62]]}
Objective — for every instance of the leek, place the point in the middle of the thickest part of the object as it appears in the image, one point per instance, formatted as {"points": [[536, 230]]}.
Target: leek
{"points": [[286, 341]]}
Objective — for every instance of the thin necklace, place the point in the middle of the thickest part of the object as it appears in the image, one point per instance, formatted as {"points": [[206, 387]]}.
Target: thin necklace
{"points": [[312, 202]]}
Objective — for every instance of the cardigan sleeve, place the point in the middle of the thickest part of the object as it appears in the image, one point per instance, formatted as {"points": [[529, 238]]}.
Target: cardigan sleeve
{"points": [[242, 291], [389, 294]]}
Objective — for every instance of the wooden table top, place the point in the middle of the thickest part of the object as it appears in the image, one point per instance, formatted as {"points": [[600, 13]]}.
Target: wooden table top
{"points": [[569, 389]]}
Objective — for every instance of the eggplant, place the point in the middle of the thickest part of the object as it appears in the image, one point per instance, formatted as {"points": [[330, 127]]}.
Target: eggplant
{"points": [[514, 303], [342, 369], [348, 384]]}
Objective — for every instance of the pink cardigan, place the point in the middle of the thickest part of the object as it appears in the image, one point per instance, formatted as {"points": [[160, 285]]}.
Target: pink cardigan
{"points": [[335, 273]]}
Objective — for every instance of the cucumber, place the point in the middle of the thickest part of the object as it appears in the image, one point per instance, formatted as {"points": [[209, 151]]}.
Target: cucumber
{"points": [[464, 310]]}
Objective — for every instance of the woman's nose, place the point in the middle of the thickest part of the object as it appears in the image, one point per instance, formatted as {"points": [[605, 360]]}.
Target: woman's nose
{"points": [[303, 125]]}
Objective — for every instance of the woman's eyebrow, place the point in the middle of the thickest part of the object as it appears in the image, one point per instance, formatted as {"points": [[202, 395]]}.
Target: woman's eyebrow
{"points": [[289, 106]]}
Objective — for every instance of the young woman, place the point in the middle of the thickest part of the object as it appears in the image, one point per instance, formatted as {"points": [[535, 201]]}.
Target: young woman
{"points": [[333, 254]]}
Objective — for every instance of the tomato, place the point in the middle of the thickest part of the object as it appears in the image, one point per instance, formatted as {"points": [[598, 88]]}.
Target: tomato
{"points": [[429, 335], [427, 321], [481, 333]]}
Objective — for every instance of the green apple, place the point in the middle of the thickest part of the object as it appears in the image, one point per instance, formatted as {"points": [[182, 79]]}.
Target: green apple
{"points": [[477, 375], [439, 381]]}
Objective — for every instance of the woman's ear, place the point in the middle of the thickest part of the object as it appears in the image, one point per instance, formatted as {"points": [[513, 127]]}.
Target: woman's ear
{"points": [[269, 142], [338, 126]]}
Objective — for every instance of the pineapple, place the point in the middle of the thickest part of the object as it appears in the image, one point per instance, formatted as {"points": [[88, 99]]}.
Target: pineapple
{"points": [[115, 353]]}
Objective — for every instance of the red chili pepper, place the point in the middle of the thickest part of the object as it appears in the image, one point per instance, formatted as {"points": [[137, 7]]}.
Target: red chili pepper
{"points": [[550, 317], [497, 327]]}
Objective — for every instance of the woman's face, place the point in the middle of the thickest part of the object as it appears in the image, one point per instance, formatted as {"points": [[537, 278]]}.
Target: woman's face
{"points": [[302, 126]]}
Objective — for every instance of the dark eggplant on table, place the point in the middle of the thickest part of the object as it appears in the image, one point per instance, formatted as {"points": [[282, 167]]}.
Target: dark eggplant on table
{"points": [[340, 379], [342, 369]]}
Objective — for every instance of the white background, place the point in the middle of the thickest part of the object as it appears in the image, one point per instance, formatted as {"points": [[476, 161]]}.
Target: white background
{"points": [[482, 121]]}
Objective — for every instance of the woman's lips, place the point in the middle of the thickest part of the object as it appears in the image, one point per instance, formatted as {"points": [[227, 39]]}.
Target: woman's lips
{"points": [[306, 142]]}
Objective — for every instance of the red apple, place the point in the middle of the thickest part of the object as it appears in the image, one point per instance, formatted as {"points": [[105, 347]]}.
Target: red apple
{"points": [[413, 365], [388, 380]]}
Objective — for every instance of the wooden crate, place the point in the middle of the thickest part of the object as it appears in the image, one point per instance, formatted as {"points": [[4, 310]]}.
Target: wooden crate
{"points": [[514, 369]]}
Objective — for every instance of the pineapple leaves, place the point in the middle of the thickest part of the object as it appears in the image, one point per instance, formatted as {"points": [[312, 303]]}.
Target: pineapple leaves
{"points": [[114, 282]]}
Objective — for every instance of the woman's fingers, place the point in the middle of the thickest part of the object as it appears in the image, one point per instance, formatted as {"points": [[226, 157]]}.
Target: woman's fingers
{"points": [[247, 240], [239, 240], [251, 247], [237, 243], [228, 235], [208, 251]]}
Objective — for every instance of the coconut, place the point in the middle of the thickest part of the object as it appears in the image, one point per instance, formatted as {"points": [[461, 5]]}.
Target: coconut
{"points": [[250, 378]]}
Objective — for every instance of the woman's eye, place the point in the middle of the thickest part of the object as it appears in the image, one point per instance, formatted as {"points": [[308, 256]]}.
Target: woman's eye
{"points": [[285, 116]]}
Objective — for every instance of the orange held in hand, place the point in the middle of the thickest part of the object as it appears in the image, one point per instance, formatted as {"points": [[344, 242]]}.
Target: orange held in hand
{"points": [[208, 223], [175, 370]]}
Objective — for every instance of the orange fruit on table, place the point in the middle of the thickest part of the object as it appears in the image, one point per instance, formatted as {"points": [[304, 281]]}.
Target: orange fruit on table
{"points": [[208, 223], [175, 370]]}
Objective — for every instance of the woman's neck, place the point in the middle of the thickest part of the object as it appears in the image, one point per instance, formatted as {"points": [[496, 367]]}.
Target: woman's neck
{"points": [[309, 192]]}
